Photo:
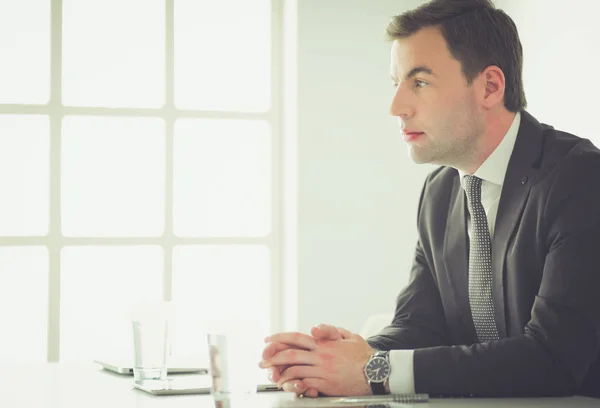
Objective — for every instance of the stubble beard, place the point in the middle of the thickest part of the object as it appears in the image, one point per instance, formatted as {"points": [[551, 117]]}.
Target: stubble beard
{"points": [[455, 146], [453, 152]]}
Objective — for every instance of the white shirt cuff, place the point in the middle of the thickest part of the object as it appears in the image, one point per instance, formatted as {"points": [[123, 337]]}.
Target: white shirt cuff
{"points": [[402, 376]]}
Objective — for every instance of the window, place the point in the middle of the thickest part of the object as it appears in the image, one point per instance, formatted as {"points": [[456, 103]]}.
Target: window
{"points": [[140, 154]]}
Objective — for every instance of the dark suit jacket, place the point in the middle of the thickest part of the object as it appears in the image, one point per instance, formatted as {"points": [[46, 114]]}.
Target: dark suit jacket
{"points": [[546, 278]]}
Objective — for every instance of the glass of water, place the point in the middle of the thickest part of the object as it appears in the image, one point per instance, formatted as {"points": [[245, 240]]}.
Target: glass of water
{"points": [[233, 352], [151, 341]]}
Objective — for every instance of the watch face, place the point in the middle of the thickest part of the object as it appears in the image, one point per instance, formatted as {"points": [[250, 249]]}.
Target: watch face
{"points": [[377, 369]]}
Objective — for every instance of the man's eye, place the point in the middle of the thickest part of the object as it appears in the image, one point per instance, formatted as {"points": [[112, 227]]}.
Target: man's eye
{"points": [[419, 83]]}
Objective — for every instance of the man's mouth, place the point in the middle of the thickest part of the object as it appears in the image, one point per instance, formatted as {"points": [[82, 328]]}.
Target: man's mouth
{"points": [[411, 136]]}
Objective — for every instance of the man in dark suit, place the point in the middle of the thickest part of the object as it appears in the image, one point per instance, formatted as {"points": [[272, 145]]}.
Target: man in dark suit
{"points": [[504, 293]]}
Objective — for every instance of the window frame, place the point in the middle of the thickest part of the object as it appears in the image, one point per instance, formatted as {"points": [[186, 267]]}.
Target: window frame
{"points": [[54, 241]]}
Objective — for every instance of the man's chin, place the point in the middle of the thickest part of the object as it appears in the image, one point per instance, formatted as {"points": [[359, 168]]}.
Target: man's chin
{"points": [[418, 157]]}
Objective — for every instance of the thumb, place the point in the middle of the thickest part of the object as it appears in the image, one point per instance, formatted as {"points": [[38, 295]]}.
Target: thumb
{"points": [[346, 334], [325, 332]]}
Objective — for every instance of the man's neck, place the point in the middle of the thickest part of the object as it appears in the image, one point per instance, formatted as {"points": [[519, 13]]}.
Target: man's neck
{"points": [[497, 125]]}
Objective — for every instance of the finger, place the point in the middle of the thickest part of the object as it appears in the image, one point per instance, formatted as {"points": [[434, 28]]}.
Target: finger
{"points": [[325, 332], [346, 334], [296, 340], [295, 386], [299, 372], [290, 387], [314, 386], [273, 348], [301, 387], [275, 372], [291, 357]]}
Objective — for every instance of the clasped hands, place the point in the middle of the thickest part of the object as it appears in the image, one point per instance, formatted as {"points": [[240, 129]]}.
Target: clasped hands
{"points": [[329, 361]]}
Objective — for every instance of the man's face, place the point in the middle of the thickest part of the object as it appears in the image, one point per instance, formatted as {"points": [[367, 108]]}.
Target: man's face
{"points": [[436, 108]]}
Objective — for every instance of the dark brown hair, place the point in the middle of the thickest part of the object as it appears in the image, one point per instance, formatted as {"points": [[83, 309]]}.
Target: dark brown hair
{"points": [[477, 34]]}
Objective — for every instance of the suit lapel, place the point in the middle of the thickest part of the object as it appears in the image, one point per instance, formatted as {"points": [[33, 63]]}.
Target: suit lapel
{"points": [[520, 174], [456, 253]]}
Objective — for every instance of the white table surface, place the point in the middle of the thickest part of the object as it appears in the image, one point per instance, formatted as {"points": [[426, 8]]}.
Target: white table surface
{"points": [[87, 386]]}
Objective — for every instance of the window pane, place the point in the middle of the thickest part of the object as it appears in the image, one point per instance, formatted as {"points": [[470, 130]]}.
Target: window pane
{"points": [[113, 172], [222, 54], [114, 53], [222, 178], [24, 304], [24, 180], [25, 51], [99, 287], [219, 283]]}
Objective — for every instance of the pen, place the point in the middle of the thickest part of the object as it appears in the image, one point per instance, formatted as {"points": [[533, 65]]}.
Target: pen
{"points": [[405, 398]]}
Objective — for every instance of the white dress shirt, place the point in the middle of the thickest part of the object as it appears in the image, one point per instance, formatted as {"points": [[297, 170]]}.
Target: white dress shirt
{"points": [[492, 172]]}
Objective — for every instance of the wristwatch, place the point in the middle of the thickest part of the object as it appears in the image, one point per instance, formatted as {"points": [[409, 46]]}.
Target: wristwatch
{"points": [[377, 370]]}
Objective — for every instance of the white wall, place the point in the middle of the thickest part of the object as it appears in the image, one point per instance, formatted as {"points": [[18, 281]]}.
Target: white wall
{"points": [[561, 47], [357, 189]]}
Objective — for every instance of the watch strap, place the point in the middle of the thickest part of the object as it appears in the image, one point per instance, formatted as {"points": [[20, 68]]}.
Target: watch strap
{"points": [[377, 388]]}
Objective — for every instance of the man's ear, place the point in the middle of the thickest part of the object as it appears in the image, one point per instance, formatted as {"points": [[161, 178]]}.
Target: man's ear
{"points": [[492, 86]]}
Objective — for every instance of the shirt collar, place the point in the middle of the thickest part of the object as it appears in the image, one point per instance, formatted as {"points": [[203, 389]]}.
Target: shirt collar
{"points": [[493, 169]]}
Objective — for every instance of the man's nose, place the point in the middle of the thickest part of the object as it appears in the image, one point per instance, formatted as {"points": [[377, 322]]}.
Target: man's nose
{"points": [[401, 106]]}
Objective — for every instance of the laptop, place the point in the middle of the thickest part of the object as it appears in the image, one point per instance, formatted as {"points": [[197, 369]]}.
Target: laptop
{"points": [[197, 384], [124, 367]]}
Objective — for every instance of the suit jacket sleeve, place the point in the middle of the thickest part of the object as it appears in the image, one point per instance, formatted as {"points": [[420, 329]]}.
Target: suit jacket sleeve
{"points": [[419, 318], [562, 339]]}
